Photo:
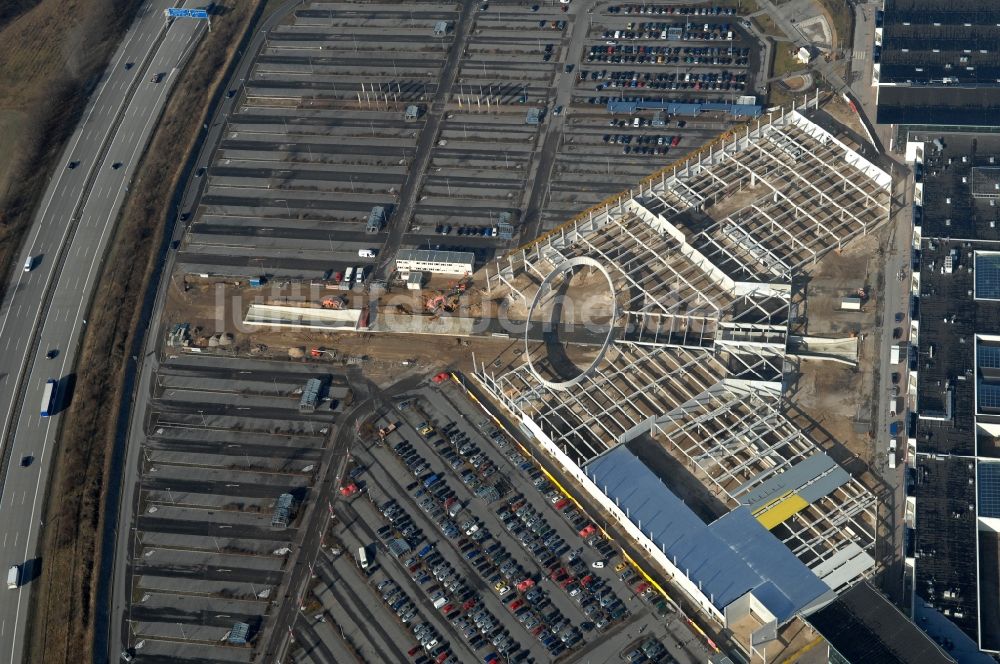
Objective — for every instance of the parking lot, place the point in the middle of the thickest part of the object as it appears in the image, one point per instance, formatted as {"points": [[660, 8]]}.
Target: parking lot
{"points": [[469, 552], [225, 440], [320, 138], [470, 127]]}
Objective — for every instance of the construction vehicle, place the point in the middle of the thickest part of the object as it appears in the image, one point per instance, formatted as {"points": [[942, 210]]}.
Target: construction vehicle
{"points": [[385, 431], [334, 302], [435, 302]]}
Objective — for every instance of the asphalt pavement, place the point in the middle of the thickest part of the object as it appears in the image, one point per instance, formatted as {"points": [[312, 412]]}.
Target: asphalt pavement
{"points": [[399, 220], [117, 637], [44, 308]]}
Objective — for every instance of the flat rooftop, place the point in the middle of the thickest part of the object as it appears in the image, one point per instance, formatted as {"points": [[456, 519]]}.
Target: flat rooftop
{"points": [[938, 105], [864, 627], [927, 42], [957, 359], [733, 555], [939, 64], [946, 573]]}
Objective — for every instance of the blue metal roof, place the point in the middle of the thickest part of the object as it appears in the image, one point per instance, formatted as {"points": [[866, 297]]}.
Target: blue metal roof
{"points": [[675, 108], [727, 559]]}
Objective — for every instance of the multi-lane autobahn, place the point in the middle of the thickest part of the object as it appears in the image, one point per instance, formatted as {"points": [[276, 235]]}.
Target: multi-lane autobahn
{"points": [[42, 315]]}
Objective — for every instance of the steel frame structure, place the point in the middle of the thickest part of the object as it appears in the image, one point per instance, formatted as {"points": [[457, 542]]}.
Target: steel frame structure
{"points": [[703, 308]]}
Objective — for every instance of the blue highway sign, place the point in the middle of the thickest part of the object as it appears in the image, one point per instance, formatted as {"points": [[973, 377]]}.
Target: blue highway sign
{"points": [[187, 13]]}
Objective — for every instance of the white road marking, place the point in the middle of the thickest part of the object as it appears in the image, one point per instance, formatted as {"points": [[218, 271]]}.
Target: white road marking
{"points": [[44, 215], [135, 30]]}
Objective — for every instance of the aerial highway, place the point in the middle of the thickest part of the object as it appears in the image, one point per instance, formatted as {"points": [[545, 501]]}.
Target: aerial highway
{"points": [[117, 634], [42, 315]]}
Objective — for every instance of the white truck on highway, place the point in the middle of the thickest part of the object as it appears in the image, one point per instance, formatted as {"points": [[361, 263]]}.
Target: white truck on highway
{"points": [[366, 253], [14, 576]]}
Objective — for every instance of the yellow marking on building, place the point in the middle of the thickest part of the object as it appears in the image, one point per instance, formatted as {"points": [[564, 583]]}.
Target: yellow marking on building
{"points": [[776, 513]]}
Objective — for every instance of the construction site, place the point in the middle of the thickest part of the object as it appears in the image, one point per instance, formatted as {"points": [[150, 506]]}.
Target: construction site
{"points": [[670, 328]]}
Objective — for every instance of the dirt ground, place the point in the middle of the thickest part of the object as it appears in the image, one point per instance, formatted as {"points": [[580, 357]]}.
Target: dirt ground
{"points": [[211, 308], [830, 399], [840, 111]]}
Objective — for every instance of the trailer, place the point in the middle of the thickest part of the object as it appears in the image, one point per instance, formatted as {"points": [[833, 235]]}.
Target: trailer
{"points": [[362, 558], [897, 352], [49, 397]]}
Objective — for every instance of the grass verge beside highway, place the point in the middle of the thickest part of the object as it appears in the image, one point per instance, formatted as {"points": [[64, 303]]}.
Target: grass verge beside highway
{"points": [[52, 54], [61, 618]]}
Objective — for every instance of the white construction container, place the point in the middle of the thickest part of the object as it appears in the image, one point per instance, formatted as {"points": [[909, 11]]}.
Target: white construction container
{"points": [[851, 304]]}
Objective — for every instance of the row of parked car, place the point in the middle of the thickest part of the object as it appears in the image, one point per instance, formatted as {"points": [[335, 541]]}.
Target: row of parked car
{"points": [[592, 592], [481, 231], [665, 9], [604, 99], [649, 650], [649, 78], [517, 587], [674, 32], [658, 55], [429, 641], [435, 497]]}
